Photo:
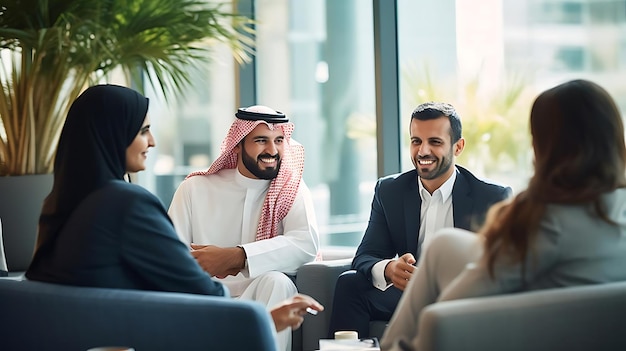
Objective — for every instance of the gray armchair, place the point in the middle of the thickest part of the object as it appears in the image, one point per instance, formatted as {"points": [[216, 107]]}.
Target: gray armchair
{"points": [[574, 318], [318, 279], [580, 318]]}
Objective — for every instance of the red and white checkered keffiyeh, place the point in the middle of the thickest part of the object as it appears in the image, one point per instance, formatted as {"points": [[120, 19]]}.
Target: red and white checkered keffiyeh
{"points": [[283, 189]]}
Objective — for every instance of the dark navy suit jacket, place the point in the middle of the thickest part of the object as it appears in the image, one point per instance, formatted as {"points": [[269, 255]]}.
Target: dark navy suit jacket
{"points": [[395, 217], [121, 237]]}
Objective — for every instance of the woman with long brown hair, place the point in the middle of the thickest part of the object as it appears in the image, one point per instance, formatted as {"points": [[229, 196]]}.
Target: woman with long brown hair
{"points": [[567, 228]]}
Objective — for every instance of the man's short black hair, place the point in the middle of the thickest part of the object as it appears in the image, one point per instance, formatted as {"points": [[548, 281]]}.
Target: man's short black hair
{"points": [[433, 110]]}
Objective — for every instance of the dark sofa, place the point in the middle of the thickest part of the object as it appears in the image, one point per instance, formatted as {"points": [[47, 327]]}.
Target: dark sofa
{"points": [[42, 316]]}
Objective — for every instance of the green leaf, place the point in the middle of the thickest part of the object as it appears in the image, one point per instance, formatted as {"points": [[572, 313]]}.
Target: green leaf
{"points": [[51, 50]]}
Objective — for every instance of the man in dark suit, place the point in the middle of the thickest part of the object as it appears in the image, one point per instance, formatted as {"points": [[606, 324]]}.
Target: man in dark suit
{"points": [[407, 210]]}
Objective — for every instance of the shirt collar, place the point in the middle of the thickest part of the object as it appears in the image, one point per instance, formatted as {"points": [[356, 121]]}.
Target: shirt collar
{"points": [[445, 189]]}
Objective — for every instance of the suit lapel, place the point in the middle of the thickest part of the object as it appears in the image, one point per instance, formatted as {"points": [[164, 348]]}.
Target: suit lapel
{"points": [[462, 204], [412, 209]]}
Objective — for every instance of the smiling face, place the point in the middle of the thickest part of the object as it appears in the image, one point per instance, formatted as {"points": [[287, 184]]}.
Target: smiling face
{"points": [[136, 152], [432, 150], [260, 153]]}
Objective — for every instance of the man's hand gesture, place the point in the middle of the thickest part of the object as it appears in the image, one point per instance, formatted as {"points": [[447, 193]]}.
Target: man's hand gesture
{"points": [[400, 270], [219, 261]]}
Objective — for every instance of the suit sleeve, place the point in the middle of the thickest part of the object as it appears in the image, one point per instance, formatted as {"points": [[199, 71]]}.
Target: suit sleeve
{"points": [[154, 252], [505, 193], [495, 194], [376, 244]]}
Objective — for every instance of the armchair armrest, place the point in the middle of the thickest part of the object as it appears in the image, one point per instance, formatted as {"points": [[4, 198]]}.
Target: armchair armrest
{"points": [[317, 279], [587, 317]]}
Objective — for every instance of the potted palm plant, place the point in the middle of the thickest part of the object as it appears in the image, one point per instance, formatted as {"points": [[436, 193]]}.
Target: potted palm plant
{"points": [[50, 50]]}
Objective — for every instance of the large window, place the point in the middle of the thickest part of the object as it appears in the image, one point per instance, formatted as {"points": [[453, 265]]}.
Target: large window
{"points": [[491, 58], [316, 62], [190, 129]]}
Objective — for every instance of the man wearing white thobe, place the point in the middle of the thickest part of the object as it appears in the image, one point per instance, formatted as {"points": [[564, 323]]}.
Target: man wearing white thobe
{"points": [[249, 219]]}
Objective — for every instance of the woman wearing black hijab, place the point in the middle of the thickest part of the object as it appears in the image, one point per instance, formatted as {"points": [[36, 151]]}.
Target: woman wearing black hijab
{"points": [[97, 230]]}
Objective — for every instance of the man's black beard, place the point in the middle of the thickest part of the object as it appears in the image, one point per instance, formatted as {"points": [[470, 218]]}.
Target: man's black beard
{"points": [[252, 165], [443, 165]]}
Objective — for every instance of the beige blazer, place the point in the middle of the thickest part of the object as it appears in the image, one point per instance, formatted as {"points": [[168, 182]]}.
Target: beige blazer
{"points": [[573, 247]]}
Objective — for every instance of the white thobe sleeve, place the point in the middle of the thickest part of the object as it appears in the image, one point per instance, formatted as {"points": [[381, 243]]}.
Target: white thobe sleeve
{"points": [[298, 244], [180, 212]]}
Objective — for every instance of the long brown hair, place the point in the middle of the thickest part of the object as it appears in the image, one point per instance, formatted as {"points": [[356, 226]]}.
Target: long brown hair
{"points": [[578, 143]]}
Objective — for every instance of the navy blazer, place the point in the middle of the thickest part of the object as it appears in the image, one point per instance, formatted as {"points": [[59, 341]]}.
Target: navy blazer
{"points": [[394, 223], [120, 236]]}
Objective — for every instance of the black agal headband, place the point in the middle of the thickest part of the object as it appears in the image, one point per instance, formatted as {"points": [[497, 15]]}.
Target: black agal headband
{"points": [[277, 117]]}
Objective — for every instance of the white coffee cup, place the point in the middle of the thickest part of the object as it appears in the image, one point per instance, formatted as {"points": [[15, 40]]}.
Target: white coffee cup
{"points": [[346, 335]]}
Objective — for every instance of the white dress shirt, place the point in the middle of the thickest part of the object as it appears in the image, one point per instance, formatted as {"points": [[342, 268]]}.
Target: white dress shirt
{"points": [[436, 213]]}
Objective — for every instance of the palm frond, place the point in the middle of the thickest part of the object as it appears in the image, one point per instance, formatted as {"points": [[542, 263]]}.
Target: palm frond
{"points": [[52, 49]]}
